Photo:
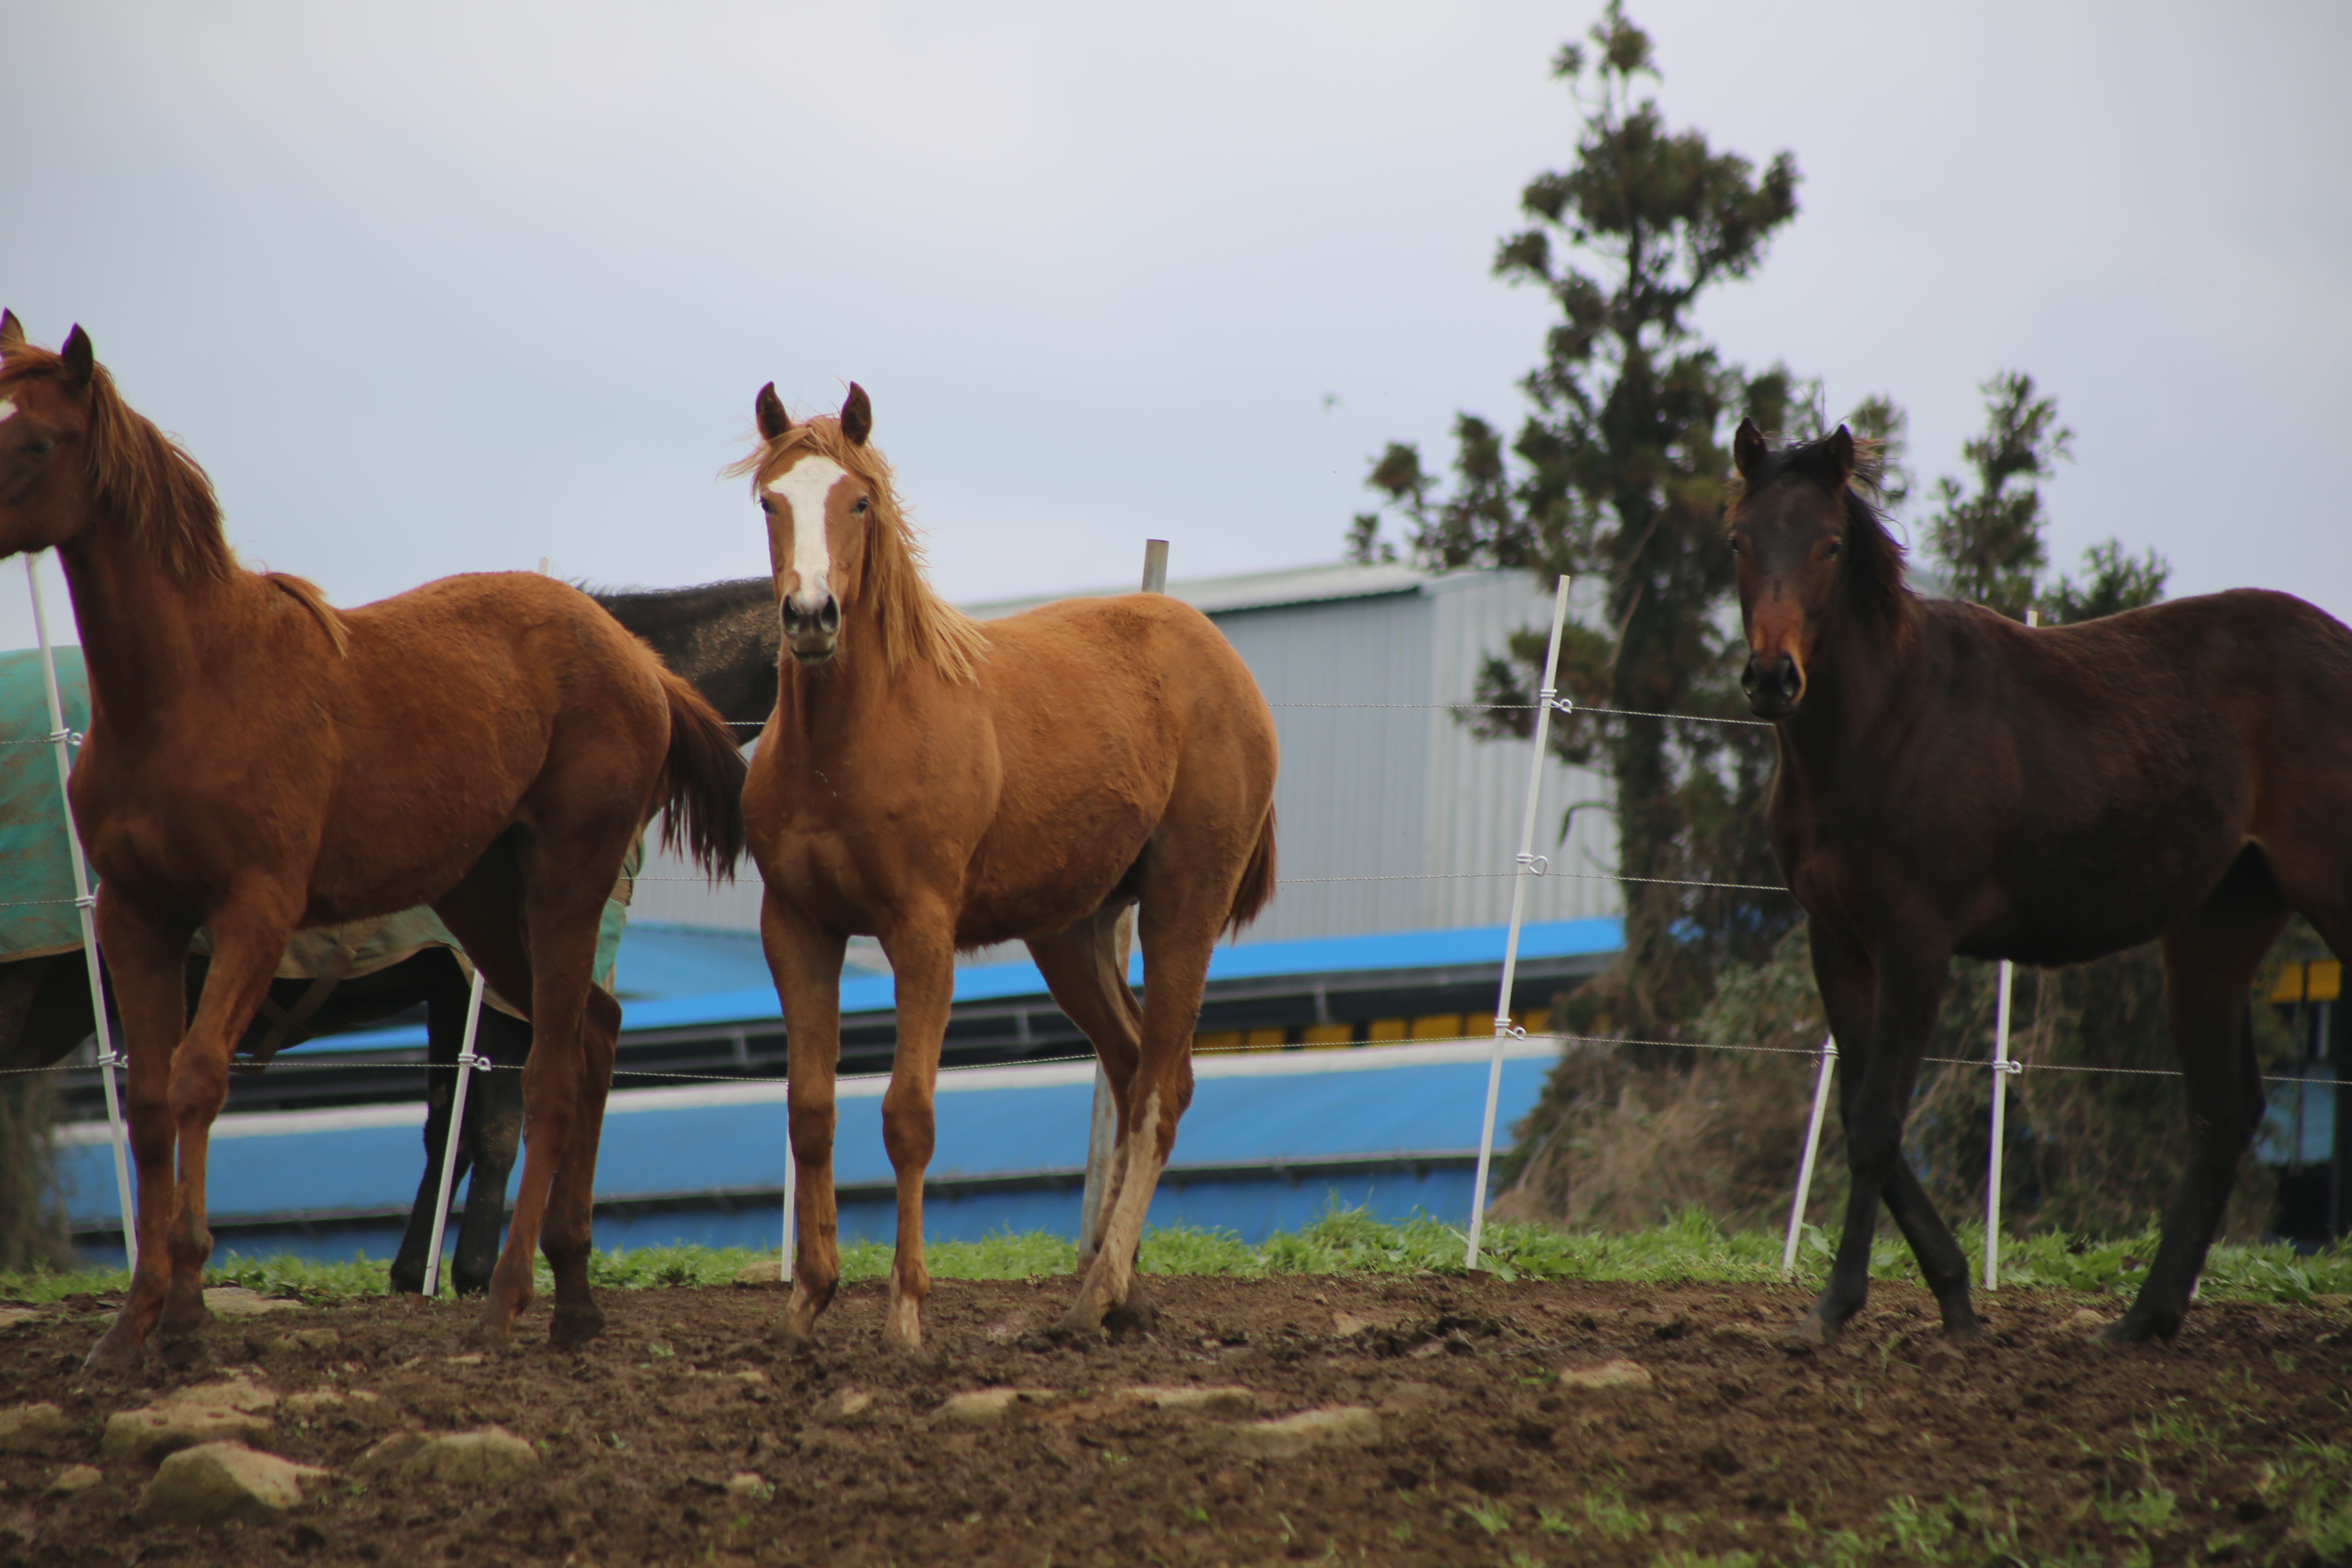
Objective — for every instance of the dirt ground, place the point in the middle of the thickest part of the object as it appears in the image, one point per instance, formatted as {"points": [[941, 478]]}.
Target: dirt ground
{"points": [[1481, 1446]]}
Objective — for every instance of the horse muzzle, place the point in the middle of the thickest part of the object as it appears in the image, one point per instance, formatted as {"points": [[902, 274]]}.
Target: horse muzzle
{"points": [[1775, 684], [812, 633]]}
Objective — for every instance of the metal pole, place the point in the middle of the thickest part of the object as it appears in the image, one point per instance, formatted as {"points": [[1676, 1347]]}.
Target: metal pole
{"points": [[467, 1062], [1805, 1161], [86, 906], [791, 1193], [1102, 1124], [1529, 863], [2001, 1067]]}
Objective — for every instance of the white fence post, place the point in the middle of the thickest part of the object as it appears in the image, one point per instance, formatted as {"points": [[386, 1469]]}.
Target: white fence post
{"points": [[1528, 864], [86, 906], [1805, 1160], [467, 1062], [1102, 1123], [2001, 1069]]}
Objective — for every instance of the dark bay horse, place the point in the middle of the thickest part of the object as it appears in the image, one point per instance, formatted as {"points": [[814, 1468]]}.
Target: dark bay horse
{"points": [[258, 761], [939, 785], [1952, 782]]}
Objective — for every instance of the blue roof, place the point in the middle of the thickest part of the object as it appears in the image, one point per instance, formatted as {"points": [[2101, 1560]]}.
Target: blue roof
{"points": [[674, 978]]}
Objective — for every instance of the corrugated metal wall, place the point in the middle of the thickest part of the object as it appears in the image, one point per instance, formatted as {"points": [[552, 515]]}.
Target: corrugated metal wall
{"points": [[1402, 792]]}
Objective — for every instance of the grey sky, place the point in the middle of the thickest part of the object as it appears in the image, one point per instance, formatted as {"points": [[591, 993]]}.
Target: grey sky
{"points": [[444, 287]]}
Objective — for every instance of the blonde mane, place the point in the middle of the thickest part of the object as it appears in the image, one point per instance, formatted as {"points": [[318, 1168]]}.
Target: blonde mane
{"points": [[915, 623]]}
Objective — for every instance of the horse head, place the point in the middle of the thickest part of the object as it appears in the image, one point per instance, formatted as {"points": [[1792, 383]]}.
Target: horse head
{"points": [[819, 507], [45, 431], [1809, 547]]}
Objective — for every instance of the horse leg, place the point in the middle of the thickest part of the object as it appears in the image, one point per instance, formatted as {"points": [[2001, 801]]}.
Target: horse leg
{"points": [[922, 960], [1176, 948], [445, 1029], [247, 946], [2209, 961], [805, 959], [1909, 984], [484, 913], [1083, 973], [147, 960], [567, 1237], [1849, 995], [493, 1136]]}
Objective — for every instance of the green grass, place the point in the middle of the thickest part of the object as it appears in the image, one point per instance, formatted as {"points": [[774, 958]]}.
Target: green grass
{"points": [[1690, 1248]]}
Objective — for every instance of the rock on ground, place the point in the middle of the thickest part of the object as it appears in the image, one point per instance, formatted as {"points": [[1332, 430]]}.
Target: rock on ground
{"points": [[31, 1428], [983, 1405], [1228, 1399], [216, 1413], [1293, 1434], [1609, 1375], [237, 1301], [487, 1458], [222, 1480], [77, 1479]]}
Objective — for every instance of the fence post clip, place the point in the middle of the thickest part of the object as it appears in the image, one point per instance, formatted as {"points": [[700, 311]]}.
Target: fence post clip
{"points": [[1538, 864], [2011, 1067], [1505, 1029], [1552, 699]]}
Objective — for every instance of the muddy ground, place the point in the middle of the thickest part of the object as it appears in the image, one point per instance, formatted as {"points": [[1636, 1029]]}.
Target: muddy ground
{"points": [[1479, 1450]]}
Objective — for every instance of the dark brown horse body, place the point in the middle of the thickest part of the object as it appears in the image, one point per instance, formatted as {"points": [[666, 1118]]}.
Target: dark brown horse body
{"points": [[1951, 782], [259, 763]]}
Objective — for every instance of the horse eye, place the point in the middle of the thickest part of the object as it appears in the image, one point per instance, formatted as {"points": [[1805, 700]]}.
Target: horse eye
{"points": [[1835, 549], [860, 507]]}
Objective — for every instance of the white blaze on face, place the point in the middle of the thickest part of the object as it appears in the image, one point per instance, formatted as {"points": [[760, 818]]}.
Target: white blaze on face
{"points": [[802, 488], [8, 409]]}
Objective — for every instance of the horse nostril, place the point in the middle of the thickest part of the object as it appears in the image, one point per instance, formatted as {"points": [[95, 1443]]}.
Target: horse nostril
{"points": [[828, 615], [1750, 674]]}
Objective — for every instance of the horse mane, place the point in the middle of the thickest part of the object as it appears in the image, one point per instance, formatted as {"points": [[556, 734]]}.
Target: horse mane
{"points": [[914, 621], [1876, 578], [313, 598], [160, 492]]}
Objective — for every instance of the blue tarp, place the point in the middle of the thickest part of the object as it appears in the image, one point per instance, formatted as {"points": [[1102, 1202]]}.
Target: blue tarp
{"points": [[37, 891]]}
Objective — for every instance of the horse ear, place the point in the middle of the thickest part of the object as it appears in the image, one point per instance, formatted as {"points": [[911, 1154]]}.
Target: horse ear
{"points": [[856, 416], [81, 360], [1841, 453], [12, 331], [1749, 449], [769, 410]]}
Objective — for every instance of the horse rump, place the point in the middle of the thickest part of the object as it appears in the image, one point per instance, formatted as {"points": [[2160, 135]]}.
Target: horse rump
{"points": [[1257, 878]]}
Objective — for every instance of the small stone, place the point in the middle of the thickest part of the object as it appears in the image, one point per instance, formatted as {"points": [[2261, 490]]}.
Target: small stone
{"points": [[237, 1301], [2087, 1321], [145, 1437], [1406, 1398], [222, 1480], [770, 1272], [1221, 1400], [1609, 1375], [319, 1402], [31, 1428], [233, 1394], [847, 1403], [752, 1375], [9, 1315], [747, 1485], [488, 1457], [988, 1405], [1347, 1325], [1290, 1435], [313, 1338], [77, 1479], [473, 1358]]}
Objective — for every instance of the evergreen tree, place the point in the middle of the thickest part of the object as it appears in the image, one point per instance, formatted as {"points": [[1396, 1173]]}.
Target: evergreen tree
{"points": [[1619, 473]]}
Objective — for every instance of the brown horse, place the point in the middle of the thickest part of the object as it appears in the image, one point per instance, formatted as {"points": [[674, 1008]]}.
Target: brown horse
{"points": [[941, 786], [1952, 782], [258, 761]]}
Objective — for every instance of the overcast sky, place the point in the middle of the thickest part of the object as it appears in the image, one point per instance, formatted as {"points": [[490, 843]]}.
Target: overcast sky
{"points": [[442, 287]]}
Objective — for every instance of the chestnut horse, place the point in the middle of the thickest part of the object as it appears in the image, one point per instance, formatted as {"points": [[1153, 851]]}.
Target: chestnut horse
{"points": [[258, 761], [1952, 782], [939, 785]]}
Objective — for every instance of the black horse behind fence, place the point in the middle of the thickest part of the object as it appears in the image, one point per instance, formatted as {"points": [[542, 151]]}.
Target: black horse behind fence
{"points": [[722, 637], [1952, 782]]}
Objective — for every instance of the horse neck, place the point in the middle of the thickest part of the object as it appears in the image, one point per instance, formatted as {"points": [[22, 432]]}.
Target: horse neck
{"points": [[1859, 673], [825, 709], [143, 631]]}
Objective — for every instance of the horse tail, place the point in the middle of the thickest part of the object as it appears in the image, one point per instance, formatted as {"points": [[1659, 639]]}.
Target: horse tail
{"points": [[702, 789], [1257, 878]]}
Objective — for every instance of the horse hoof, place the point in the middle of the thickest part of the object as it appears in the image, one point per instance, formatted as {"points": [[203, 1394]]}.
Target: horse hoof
{"points": [[181, 1352], [116, 1354], [903, 1332], [2128, 1330], [493, 1331], [1812, 1333], [1133, 1319], [575, 1325]]}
